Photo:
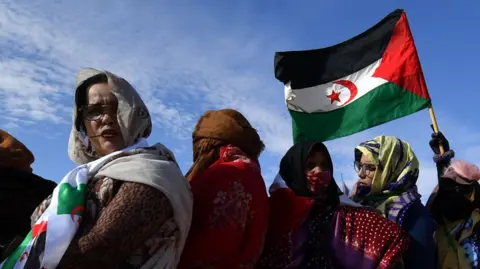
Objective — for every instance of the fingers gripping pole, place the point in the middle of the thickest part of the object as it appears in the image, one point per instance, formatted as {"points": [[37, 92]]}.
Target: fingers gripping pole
{"points": [[435, 126]]}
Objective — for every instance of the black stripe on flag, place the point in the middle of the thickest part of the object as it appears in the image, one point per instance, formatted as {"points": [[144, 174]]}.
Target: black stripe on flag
{"points": [[309, 68]]}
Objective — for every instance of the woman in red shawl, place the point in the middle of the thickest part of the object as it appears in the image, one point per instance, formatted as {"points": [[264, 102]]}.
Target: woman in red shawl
{"points": [[230, 209], [310, 226]]}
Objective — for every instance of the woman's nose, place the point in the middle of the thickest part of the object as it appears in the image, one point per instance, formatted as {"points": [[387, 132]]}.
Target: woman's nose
{"points": [[108, 118]]}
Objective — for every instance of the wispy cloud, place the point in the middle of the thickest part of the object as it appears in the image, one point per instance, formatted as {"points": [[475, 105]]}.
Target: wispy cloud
{"points": [[179, 72], [183, 60]]}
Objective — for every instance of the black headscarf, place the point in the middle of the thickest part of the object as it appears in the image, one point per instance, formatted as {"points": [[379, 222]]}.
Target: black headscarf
{"points": [[292, 170], [317, 253]]}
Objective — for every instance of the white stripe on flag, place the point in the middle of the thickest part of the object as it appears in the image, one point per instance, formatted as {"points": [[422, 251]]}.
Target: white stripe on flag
{"points": [[60, 231], [315, 99]]}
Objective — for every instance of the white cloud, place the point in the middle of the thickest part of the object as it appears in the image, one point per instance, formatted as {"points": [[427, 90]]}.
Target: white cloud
{"points": [[183, 61], [180, 73]]}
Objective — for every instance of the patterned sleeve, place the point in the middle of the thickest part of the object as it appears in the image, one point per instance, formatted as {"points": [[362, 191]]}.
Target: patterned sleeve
{"points": [[135, 213], [230, 218]]}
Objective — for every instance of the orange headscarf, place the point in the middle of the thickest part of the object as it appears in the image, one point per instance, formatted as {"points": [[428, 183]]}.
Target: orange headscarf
{"points": [[217, 128], [14, 154]]}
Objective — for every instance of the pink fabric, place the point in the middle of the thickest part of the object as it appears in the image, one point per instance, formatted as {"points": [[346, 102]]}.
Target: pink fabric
{"points": [[464, 169]]}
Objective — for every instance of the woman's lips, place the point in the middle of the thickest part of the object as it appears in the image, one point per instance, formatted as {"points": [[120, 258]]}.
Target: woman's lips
{"points": [[109, 133]]}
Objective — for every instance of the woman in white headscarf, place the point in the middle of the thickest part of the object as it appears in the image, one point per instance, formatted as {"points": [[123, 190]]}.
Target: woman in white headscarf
{"points": [[127, 204]]}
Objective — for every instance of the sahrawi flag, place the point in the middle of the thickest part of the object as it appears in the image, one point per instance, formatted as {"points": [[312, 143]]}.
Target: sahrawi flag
{"points": [[51, 235], [368, 80]]}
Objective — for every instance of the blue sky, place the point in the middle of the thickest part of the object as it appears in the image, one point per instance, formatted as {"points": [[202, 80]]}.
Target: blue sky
{"points": [[185, 57]]}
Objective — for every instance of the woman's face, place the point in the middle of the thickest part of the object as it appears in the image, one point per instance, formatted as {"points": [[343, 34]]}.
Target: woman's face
{"points": [[366, 171], [458, 186], [454, 201], [100, 120], [318, 172]]}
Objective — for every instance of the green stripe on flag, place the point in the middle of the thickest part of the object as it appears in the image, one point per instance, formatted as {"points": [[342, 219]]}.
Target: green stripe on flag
{"points": [[382, 104], [15, 256], [70, 199]]}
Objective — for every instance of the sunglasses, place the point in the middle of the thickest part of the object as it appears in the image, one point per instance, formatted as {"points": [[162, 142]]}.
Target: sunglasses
{"points": [[95, 112], [449, 184]]}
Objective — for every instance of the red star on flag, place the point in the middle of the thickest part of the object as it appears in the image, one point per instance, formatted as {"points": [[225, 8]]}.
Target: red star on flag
{"points": [[334, 96], [24, 255]]}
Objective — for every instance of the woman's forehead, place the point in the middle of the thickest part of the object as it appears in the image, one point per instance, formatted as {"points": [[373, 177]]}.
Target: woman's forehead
{"points": [[100, 93], [366, 159], [458, 180], [317, 152]]}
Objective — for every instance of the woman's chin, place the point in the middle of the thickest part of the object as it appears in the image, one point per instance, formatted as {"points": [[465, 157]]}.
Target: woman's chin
{"points": [[362, 184], [110, 146]]}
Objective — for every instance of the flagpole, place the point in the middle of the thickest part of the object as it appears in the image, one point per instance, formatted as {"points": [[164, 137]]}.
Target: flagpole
{"points": [[435, 126]]}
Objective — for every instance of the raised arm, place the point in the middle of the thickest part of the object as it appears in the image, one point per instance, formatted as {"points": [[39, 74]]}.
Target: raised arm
{"points": [[442, 161]]}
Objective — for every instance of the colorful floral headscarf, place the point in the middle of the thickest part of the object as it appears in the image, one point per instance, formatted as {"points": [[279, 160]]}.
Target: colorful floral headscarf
{"points": [[394, 182]]}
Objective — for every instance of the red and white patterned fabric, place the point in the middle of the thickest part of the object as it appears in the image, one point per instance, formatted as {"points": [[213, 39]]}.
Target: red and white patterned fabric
{"points": [[230, 214]]}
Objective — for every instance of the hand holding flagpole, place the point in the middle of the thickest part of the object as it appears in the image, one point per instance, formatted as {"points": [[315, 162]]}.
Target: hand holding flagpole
{"points": [[435, 126]]}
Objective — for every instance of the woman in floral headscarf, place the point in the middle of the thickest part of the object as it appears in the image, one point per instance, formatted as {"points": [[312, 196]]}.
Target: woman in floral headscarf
{"points": [[388, 170], [230, 211], [312, 226]]}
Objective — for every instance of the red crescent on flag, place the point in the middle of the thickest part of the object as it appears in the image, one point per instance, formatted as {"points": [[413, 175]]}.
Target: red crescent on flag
{"points": [[76, 209], [350, 86]]}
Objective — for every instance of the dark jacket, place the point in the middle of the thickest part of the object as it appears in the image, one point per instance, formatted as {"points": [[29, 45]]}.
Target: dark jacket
{"points": [[422, 252], [20, 193]]}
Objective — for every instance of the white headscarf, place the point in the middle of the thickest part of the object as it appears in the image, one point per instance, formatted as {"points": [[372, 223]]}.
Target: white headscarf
{"points": [[132, 114], [154, 166]]}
